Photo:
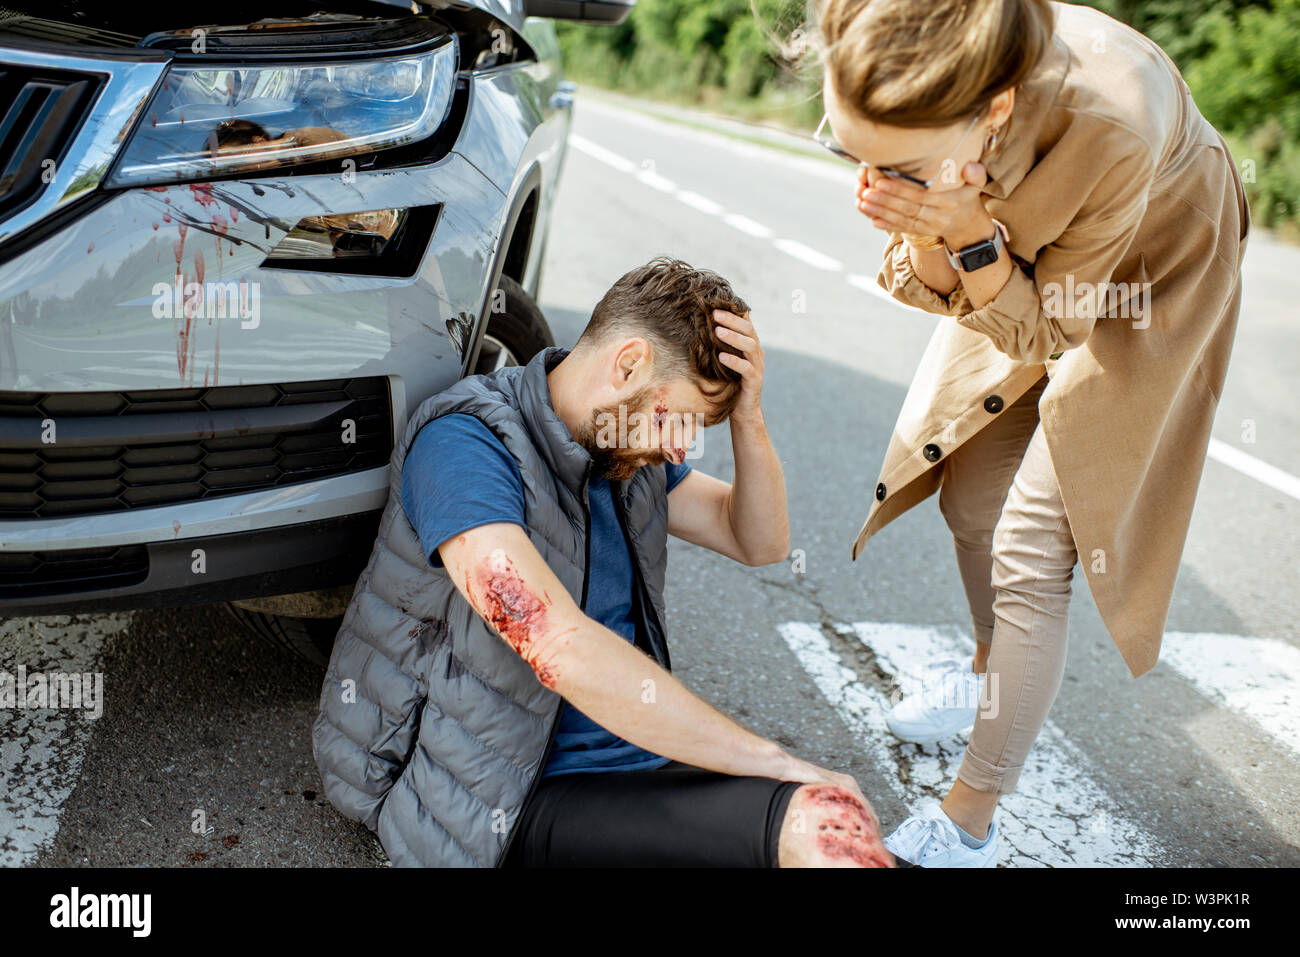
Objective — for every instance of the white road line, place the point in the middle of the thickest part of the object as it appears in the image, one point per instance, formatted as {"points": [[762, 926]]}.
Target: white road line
{"points": [[791, 247], [808, 255], [596, 151], [1259, 470], [869, 284], [655, 181], [806, 165], [747, 226], [41, 750], [1058, 816], [703, 204], [1255, 677]]}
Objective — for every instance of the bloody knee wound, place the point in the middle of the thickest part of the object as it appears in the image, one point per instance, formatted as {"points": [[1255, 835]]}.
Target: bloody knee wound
{"points": [[845, 830]]}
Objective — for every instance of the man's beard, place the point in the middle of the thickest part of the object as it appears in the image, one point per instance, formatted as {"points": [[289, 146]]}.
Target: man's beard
{"points": [[612, 463]]}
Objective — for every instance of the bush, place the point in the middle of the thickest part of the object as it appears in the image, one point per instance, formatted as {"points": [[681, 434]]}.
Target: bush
{"points": [[1242, 63], [1269, 164], [694, 51], [1251, 72]]}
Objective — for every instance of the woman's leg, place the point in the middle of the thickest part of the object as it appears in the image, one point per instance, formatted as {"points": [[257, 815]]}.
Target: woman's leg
{"points": [[1033, 564], [976, 477]]}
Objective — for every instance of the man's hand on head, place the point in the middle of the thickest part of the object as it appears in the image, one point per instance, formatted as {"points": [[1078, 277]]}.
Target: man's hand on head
{"points": [[739, 333], [745, 520]]}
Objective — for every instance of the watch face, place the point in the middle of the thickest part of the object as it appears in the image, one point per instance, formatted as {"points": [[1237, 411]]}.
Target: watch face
{"points": [[979, 255]]}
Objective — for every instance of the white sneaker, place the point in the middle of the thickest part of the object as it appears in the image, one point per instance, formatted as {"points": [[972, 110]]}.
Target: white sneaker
{"points": [[931, 839], [944, 705]]}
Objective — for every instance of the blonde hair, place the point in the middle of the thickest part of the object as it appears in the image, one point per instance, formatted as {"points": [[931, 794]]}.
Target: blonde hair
{"points": [[922, 63]]}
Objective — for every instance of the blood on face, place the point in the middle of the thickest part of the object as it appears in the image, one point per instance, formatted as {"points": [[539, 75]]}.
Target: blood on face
{"points": [[674, 423], [661, 413]]}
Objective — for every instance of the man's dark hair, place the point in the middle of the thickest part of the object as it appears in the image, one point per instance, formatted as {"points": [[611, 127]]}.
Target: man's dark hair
{"points": [[671, 304]]}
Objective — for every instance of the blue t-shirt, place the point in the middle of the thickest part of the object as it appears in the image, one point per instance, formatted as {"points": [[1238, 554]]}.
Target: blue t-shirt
{"points": [[457, 476]]}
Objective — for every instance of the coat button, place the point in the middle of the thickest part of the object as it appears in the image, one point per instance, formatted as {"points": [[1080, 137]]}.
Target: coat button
{"points": [[880, 492], [993, 404], [932, 452]]}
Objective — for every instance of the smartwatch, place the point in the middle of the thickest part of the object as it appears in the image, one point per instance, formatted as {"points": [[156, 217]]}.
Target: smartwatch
{"points": [[978, 255]]}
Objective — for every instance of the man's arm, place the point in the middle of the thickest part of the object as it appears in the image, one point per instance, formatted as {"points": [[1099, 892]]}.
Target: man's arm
{"points": [[746, 520], [503, 577]]}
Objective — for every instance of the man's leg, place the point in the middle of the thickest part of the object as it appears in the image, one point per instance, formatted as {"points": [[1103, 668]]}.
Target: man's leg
{"points": [[825, 826], [682, 816]]}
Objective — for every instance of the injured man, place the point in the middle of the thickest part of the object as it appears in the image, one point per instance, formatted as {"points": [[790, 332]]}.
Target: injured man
{"points": [[500, 690]]}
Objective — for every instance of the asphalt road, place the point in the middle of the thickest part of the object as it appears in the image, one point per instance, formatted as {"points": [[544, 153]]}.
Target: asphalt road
{"points": [[1194, 764]]}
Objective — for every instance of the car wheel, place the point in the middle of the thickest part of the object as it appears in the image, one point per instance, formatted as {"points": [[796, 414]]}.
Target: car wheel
{"points": [[311, 639], [514, 334]]}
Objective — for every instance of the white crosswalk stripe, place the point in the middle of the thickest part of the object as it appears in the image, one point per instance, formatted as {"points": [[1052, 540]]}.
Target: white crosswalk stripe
{"points": [[1060, 814], [1255, 677], [41, 749]]}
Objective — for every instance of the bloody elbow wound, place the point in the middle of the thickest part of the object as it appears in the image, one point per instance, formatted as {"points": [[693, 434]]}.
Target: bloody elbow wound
{"points": [[516, 613]]}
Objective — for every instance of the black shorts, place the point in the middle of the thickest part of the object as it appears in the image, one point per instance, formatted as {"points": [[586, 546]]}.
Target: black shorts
{"points": [[675, 816]]}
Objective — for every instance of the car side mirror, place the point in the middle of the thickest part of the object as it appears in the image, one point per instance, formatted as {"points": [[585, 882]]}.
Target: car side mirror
{"points": [[608, 12]]}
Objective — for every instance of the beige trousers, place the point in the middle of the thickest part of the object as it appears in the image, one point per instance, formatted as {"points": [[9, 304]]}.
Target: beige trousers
{"points": [[1016, 557]]}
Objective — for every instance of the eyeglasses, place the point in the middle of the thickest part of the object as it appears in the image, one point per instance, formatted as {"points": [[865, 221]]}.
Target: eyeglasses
{"points": [[884, 170]]}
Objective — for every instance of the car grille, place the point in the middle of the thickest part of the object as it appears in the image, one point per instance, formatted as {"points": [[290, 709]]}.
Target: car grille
{"points": [[40, 110], [121, 450], [24, 574]]}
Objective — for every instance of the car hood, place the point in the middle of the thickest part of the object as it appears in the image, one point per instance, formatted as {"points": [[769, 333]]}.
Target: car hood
{"points": [[509, 12]]}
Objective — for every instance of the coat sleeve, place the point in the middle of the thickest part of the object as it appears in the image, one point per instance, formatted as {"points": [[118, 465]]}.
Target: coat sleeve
{"points": [[1032, 318], [899, 279]]}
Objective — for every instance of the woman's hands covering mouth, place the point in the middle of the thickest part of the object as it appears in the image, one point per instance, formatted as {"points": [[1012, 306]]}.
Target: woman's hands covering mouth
{"points": [[956, 215]]}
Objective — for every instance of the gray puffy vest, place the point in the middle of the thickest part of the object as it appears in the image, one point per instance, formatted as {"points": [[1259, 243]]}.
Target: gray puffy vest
{"points": [[432, 730]]}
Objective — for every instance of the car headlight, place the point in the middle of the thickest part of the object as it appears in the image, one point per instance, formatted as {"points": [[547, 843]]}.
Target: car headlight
{"points": [[214, 120]]}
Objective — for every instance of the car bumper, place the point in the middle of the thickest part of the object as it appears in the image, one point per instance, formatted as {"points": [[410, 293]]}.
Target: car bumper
{"points": [[198, 570]]}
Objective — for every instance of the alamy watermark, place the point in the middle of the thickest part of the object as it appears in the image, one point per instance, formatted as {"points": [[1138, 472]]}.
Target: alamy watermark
{"points": [[633, 430], [209, 300], [1089, 300], [948, 684], [52, 690]]}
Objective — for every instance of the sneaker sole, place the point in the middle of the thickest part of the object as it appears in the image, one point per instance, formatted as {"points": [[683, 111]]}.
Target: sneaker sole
{"points": [[928, 739]]}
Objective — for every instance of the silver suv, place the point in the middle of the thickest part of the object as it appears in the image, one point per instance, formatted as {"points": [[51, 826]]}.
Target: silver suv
{"points": [[234, 257]]}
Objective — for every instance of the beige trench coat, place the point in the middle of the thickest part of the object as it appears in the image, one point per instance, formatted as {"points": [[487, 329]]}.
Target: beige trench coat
{"points": [[1106, 178]]}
